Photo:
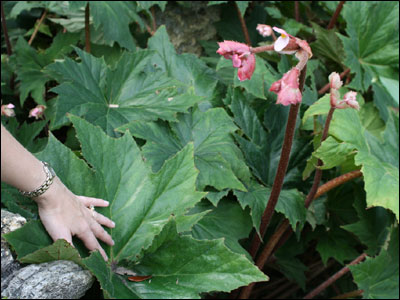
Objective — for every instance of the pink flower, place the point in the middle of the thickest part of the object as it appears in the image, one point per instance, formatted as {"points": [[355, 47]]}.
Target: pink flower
{"points": [[349, 99], [264, 30], [8, 110], [287, 88], [37, 112], [289, 44], [241, 57]]}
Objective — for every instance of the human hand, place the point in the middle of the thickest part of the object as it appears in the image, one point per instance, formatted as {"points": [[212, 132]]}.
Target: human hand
{"points": [[64, 215]]}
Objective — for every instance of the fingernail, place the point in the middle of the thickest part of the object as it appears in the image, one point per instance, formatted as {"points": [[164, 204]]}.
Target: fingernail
{"points": [[113, 224], [107, 202], [113, 242]]}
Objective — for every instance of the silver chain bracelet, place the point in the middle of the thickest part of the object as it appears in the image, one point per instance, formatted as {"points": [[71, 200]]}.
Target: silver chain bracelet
{"points": [[50, 174]]}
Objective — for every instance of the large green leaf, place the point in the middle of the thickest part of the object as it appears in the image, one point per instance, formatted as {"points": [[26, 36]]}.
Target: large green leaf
{"points": [[378, 158], [216, 156], [181, 267], [141, 204], [112, 97], [228, 220], [290, 203], [372, 226], [378, 276], [373, 40], [31, 64], [336, 243], [186, 68], [376, 152], [115, 17], [327, 44]]}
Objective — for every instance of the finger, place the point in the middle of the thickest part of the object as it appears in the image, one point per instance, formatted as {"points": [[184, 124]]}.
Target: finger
{"points": [[103, 220], [90, 242], [101, 234], [61, 234], [87, 201]]}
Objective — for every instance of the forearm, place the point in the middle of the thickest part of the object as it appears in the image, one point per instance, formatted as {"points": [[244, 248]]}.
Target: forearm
{"points": [[19, 167]]}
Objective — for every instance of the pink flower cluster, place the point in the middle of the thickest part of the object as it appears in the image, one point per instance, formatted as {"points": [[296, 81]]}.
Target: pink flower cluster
{"points": [[241, 57], [37, 112], [8, 110], [287, 88], [349, 99]]}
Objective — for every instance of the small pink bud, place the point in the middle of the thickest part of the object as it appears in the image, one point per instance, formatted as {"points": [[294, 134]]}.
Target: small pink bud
{"points": [[287, 88], [264, 30], [37, 112], [334, 81], [241, 57], [349, 99], [8, 110]]}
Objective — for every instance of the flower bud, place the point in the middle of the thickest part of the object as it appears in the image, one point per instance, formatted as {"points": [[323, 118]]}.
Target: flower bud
{"points": [[37, 112], [8, 110]]}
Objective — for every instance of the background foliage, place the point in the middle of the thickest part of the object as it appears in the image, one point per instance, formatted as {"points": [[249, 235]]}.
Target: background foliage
{"points": [[187, 154]]}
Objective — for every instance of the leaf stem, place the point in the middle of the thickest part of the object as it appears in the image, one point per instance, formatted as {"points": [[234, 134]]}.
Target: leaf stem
{"points": [[243, 24], [37, 26], [325, 88], [331, 184], [281, 170], [4, 25], [333, 20], [87, 28], [297, 11], [334, 277], [318, 171], [246, 291], [153, 14], [352, 294]]}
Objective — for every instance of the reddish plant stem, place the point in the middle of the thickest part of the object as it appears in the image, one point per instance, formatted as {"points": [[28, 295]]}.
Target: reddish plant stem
{"points": [[37, 27], [262, 49], [243, 24], [352, 294], [334, 277], [5, 31], [333, 20], [246, 291], [321, 190], [153, 14], [297, 11], [87, 28], [281, 170], [325, 88], [337, 181], [318, 171]]}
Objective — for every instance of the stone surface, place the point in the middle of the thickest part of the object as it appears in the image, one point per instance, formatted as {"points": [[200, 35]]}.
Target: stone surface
{"points": [[59, 279], [186, 26], [9, 222], [54, 280]]}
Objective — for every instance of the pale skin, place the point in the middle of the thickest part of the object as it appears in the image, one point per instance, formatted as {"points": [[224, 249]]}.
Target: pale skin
{"points": [[62, 213]]}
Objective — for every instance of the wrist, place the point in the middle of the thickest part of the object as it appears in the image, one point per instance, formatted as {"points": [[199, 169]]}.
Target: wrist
{"points": [[50, 198]]}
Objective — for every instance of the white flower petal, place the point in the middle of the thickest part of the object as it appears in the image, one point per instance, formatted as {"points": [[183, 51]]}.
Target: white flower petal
{"points": [[281, 43]]}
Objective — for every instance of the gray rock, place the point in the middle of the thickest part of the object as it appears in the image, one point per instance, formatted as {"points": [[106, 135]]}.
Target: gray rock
{"points": [[9, 222], [59, 279], [53, 280], [186, 26]]}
